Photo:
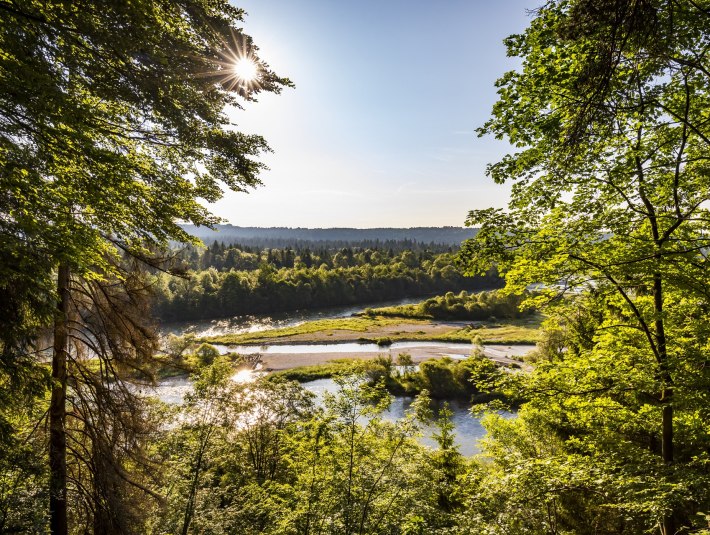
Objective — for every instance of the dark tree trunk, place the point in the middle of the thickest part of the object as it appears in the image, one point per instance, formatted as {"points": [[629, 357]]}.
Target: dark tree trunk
{"points": [[667, 451], [668, 527], [667, 440], [57, 412], [192, 495]]}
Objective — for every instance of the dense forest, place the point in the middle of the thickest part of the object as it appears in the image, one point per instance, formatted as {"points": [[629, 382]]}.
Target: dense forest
{"points": [[479, 306], [238, 280], [225, 257], [114, 133]]}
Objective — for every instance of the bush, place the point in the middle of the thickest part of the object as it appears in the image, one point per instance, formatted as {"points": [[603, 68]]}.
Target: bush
{"points": [[175, 346], [206, 354], [481, 306], [438, 377], [378, 369]]}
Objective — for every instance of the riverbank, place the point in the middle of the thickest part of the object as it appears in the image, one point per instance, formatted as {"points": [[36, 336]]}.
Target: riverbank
{"points": [[383, 330], [506, 355], [348, 338]]}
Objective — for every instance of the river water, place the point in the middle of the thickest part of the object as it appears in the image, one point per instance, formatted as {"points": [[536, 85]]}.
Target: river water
{"points": [[263, 322], [467, 427], [456, 350]]}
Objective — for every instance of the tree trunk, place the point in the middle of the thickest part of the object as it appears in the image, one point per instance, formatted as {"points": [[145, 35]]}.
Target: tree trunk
{"points": [[57, 412], [667, 437], [668, 526], [192, 495], [667, 451]]}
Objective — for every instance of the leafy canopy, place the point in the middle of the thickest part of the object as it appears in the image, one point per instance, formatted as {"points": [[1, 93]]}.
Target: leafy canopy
{"points": [[609, 211], [113, 123]]}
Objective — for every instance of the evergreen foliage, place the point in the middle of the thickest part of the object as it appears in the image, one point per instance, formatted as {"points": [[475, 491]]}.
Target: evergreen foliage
{"points": [[112, 128], [349, 279], [399, 239], [479, 306]]}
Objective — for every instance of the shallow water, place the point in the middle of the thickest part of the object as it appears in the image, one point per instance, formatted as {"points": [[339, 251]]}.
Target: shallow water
{"points": [[171, 391], [456, 350], [468, 428], [263, 322]]}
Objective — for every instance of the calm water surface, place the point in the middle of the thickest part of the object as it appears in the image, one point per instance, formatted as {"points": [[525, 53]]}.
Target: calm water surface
{"points": [[467, 427], [456, 350], [263, 322]]}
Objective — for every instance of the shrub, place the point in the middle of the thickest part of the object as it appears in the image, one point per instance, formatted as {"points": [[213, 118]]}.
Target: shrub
{"points": [[438, 377], [206, 354]]}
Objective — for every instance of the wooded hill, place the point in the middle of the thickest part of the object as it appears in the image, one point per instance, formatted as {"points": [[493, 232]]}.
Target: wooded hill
{"points": [[331, 237]]}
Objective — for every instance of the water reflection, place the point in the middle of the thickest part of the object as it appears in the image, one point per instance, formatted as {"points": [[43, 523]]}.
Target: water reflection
{"points": [[171, 391], [428, 349], [263, 322], [468, 428]]}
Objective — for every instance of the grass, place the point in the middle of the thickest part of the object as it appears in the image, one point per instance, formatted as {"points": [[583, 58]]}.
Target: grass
{"points": [[379, 330], [158, 369], [162, 368], [400, 311], [322, 327], [303, 374], [504, 334], [455, 386]]}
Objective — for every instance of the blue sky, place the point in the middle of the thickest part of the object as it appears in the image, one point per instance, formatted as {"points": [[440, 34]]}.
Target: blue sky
{"points": [[379, 130]]}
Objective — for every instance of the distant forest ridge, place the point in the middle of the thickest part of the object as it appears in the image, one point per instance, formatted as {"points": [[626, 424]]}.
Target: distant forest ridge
{"points": [[330, 237]]}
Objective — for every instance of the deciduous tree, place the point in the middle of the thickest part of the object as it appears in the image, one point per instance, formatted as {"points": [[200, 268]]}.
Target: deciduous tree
{"points": [[609, 196]]}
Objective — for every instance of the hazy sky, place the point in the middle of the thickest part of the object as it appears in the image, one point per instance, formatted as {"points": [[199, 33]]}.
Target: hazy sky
{"points": [[379, 130]]}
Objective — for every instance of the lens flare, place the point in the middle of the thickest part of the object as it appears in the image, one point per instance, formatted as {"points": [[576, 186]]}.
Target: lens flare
{"points": [[246, 69], [236, 67]]}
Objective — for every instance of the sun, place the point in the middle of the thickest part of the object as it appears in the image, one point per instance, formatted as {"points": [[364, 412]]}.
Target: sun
{"points": [[237, 68], [245, 69]]}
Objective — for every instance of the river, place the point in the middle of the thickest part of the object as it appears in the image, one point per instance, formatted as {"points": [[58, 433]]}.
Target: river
{"points": [[263, 322], [282, 356], [468, 428]]}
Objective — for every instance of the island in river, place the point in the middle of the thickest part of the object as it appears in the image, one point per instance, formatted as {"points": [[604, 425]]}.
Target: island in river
{"points": [[305, 345], [368, 336]]}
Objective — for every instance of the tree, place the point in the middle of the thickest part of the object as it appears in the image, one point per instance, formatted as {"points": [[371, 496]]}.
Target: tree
{"points": [[352, 471], [112, 127], [609, 111], [212, 409], [447, 461], [230, 457]]}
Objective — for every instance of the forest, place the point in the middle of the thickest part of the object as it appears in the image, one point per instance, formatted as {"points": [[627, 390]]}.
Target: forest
{"points": [[478, 306], [114, 135], [230, 281]]}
